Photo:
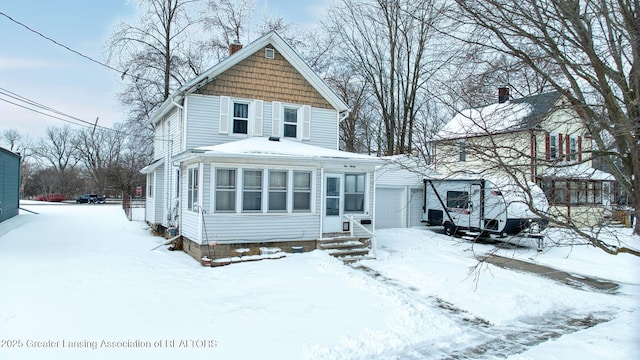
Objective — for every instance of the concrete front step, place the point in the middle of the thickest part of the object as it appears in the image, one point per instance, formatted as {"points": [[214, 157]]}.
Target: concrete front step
{"points": [[352, 244], [339, 253]]}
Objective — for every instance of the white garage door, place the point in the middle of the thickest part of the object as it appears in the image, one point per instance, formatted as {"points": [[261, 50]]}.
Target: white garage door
{"points": [[389, 208]]}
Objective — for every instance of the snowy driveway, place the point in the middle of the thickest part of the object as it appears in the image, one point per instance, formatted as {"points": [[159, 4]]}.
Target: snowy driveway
{"points": [[81, 282]]}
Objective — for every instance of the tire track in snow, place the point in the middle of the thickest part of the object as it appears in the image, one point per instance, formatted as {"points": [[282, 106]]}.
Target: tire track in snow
{"points": [[481, 339]]}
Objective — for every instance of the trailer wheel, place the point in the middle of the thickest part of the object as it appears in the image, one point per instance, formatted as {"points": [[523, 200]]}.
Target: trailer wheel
{"points": [[450, 229]]}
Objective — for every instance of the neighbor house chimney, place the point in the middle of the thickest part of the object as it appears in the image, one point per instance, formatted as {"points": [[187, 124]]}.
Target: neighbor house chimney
{"points": [[503, 94], [234, 46]]}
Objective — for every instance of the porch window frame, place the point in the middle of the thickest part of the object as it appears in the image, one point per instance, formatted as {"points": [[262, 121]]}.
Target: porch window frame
{"points": [[355, 193], [218, 189]]}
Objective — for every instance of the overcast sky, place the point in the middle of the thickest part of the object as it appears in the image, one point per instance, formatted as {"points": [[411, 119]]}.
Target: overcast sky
{"points": [[39, 70]]}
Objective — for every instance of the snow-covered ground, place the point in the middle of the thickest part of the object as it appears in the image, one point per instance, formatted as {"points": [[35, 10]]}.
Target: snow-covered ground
{"points": [[81, 282]]}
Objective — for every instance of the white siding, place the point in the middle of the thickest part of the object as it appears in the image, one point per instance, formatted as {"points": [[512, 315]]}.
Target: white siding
{"points": [[203, 123], [203, 117], [262, 227], [324, 128]]}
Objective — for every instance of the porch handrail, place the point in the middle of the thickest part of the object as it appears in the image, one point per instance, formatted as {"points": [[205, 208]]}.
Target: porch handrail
{"points": [[372, 238]]}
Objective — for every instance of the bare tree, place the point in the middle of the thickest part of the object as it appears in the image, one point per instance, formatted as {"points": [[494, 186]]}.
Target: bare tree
{"points": [[57, 152], [154, 55], [229, 22], [596, 47], [392, 45], [99, 151]]}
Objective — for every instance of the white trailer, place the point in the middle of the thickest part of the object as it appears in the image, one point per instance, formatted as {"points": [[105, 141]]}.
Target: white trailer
{"points": [[484, 206]]}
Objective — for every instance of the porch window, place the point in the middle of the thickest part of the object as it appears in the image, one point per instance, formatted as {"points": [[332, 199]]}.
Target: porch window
{"points": [[192, 189], [151, 178], [560, 192], [225, 190], [354, 192], [277, 190], [301, 191], [240, 118], [290, 122], [252, 190]]}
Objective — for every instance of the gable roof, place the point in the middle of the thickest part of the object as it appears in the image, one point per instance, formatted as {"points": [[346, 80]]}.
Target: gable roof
{"points": [[513, 115], [283, 49]]}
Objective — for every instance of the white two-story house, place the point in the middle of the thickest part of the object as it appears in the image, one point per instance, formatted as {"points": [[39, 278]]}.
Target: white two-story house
{"points": [[246, 155]]}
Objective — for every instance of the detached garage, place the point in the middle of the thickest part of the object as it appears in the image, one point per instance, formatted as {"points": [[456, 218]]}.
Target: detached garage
{"points": [[399, 192], [9, 184]]}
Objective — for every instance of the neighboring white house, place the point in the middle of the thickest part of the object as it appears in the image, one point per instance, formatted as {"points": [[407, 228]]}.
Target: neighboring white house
{"points": [[541, 138], [246, 154]]}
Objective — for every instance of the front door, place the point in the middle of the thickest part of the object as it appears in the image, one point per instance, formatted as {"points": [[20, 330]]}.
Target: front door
{"points": [[332, 216], [475, 206]]}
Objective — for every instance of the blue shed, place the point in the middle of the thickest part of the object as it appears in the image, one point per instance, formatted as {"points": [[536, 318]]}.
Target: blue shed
{"points": [[9, 184]]}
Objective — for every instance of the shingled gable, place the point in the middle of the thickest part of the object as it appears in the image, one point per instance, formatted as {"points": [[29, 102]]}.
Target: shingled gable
{"points": [[205, 82], [514, 115]]}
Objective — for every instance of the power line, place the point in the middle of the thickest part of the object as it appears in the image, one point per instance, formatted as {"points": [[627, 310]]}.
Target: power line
{"points": [[122, 73], [75, 120], [43, 107], [43, 113]]}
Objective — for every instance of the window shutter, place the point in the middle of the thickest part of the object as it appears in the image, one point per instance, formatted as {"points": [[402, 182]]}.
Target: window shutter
{"points": [[567, 141], [257, 117], [579, 148], [304, 118], [547, 146], [225, 104], [276, 111], [560, 149]]}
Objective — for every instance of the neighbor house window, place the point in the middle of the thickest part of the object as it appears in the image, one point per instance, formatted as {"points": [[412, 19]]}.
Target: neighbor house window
{"points": [[290, 122], [354, 192], [560, 192], [151, 178], [192, 189], [301, 191], [225, 190], [553, 146], [573, 148], [462, 150], [240, 118], [277, 190], [252, 190]]}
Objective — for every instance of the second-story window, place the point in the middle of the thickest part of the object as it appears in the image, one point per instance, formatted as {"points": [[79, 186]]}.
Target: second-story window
{"points": [[553, 146], [240, 118], [290, 122], [573, 148], [462, 150]]}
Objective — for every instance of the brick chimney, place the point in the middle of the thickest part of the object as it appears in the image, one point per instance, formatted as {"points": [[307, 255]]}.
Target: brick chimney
{"points": [[503, 94], [234, 46]]}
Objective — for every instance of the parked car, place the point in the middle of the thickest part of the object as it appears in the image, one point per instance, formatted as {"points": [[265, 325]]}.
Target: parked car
{"points": [[90, 199], [50, 197]]}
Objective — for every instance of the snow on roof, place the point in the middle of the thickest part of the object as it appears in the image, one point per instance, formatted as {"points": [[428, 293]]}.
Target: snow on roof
{"points": [[513, 115], [489, 119], [577, 171], [262, 146]]}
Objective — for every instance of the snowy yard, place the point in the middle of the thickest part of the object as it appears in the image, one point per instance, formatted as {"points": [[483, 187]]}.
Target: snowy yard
{"points": [[81, 282]]}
